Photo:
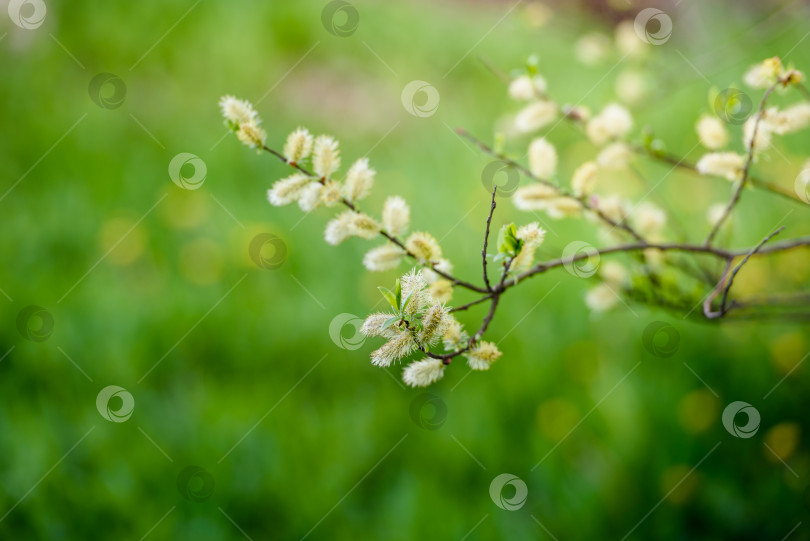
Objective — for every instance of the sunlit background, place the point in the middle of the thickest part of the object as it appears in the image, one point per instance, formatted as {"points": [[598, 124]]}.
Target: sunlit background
{"points": [[288, 434]]}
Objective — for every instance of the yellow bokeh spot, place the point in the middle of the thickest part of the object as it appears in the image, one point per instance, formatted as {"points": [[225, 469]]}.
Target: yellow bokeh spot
{"points": [[787, 350], [794, 266], [185, 209], [782, 440], [240, 241], [755, 278], [556, 417], [538, 14], [200, 261], [678, 475], [697, 411], [128, 242]]}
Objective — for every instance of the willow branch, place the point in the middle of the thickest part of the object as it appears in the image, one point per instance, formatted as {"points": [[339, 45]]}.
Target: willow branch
{"points": [[390, 237], [494, 297], [583, 202], [707, 303], [719, 253], [486, 239], [471, 304], [724, 300], [746, 169], [683, 164]]}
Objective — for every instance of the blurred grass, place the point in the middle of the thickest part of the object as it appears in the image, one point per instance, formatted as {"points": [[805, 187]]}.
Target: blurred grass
{"points": [[312, 457]]}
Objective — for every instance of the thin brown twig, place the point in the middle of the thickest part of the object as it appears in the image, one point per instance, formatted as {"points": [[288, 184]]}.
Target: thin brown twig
{"points": [[583, 202], [577, 120], [472, 303], [735, 198], [683, 164], [736, 270], [623, 248], [494, 298], [486, 239]]}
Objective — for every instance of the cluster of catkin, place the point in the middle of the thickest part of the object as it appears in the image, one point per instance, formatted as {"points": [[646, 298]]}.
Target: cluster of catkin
{"points": [[420, 319]]}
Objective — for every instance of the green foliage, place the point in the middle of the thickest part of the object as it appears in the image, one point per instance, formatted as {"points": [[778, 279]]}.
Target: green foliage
{"points": [[245, 363]]}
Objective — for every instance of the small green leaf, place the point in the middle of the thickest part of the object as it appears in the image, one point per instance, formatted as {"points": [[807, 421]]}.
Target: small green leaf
{"points": [[392, 300], [658, 147], [532, 64], [398, 289], [407, 299], [508, 243], [388, 322], [502, 240]]}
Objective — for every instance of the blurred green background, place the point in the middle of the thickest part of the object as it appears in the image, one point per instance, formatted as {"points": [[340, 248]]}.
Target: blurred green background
{"points": [[299, 436]]}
